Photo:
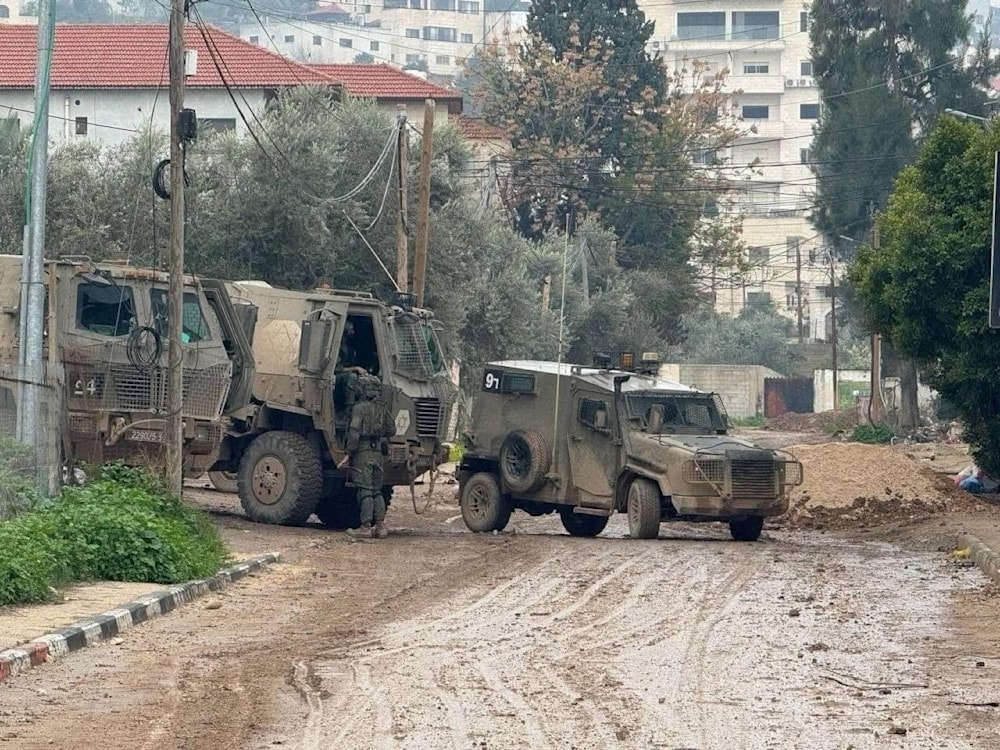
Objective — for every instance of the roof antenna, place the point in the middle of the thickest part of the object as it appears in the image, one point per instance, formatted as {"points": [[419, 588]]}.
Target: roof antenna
{"points": [[562, 318]]}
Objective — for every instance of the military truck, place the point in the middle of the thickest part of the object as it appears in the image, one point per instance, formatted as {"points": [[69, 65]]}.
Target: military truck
{"points": [[585, 442], [108, 323], [284, 442]]}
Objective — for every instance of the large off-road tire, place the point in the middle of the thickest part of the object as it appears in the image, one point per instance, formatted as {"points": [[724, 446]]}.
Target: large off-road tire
{"points": [[280, 478], [525, 457], [747, 529], [339, 510], [582, 524], [224, 481], [643, 509], [484, 507]]}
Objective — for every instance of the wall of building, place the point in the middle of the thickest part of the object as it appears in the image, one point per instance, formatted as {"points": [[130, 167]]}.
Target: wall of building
{"points": [[740, 386]]}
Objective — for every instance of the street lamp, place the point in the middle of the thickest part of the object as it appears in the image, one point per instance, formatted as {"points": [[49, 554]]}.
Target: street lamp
{"points": [[964, 115]]}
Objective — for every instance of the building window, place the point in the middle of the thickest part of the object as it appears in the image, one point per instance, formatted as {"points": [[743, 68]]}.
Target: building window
{"points": [[254, 39], [81, 126], [317, 41], [755, 24], [392, 4], [343, 42], [216, 124], [701, 25], [413, 33], [759, 255], [414, 59], [440, 34], [755, 111], [809, 111], [806, 68], [373, 46], [791, 295], [289, 38], [442, 4], [804, 20], [755, 68], [705, 156], [758, 300], [805, 156], [792, 249], [442, 60], [468, 7], [418, 5], [4, 11], [366, 9], [466, 38]]}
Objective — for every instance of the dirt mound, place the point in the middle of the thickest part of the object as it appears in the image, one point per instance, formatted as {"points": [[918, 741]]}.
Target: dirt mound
{"points": [[853, 484], [828, 422]]}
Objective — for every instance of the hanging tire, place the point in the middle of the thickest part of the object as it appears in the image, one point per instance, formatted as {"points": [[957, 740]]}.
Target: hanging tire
{"points": [[747, 529], [224, 481], [280, 479], [582, 524], [340, 510], [525, 458], [643, 509], [484, 507]]}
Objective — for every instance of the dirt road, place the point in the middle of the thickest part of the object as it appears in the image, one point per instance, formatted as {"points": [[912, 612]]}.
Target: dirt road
{"points": [[437, 638]]}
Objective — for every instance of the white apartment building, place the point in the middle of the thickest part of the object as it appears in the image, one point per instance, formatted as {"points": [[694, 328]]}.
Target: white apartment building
{"points": [[10, 12], [437, 34], [764, 46]]}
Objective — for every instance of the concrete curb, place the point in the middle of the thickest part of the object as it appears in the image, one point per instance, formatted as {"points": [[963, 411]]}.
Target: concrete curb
{"points": [[985, 558], [108, 624]]}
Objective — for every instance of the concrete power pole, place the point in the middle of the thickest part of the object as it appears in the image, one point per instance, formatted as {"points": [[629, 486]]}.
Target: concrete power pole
{"points": [[798, 284], [423, 203], [833, 325], [876, 406], [32, 319], [175, 295], [402, 245]]}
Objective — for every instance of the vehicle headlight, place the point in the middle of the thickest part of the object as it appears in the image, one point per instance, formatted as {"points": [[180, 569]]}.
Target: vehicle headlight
{"points": [[791, 473]]}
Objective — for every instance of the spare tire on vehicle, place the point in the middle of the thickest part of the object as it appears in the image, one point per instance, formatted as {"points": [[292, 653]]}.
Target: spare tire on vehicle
{"points": [[525, 457]]}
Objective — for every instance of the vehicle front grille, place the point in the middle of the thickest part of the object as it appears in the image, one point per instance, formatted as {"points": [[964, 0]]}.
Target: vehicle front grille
{"points": [[428, 413], [754, 480]]}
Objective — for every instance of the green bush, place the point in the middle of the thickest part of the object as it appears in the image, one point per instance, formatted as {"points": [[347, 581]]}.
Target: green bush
{"points": [[456, 451], [747, 421], [124, 526], [17, 478], [869, 433]]}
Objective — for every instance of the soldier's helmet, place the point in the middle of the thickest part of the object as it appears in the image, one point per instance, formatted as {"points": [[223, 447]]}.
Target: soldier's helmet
{"points": [[370, 387]]}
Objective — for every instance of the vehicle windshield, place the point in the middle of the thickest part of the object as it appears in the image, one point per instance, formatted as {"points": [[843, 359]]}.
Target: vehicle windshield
{"points": [[671, 413], [418, 350]]}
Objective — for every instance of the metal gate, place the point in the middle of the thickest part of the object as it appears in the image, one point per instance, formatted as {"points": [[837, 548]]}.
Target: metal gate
{"points": [[787, 394]]}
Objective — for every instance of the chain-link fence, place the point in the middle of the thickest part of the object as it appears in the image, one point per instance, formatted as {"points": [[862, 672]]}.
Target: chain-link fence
{"points": [[31, 415]]}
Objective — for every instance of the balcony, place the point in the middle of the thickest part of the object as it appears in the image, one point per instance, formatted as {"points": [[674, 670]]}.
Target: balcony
{"points": [[756, 84], [718, 42]]}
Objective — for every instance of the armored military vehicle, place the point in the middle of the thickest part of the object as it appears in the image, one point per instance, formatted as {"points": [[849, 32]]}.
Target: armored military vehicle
{"points": [[284, 442], [585, 442], [108, 324]]}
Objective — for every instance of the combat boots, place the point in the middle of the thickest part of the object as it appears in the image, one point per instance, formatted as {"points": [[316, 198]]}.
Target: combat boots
{"points": [[363, 533], [379, 532]]}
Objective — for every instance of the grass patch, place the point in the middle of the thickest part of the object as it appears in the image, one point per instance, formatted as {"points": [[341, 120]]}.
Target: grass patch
{"points": [[748, 421], [123, 526], [872, 433]]}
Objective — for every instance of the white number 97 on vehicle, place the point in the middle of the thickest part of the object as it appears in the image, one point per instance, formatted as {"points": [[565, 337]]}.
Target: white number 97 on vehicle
{"points": [[498, 381]]}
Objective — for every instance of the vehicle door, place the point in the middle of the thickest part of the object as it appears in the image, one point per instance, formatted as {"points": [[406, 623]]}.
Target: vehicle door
{"points": [[592, 450]]}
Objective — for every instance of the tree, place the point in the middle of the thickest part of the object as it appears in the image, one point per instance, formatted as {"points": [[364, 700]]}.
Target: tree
{"points": [[757, 336], [926, 289]]}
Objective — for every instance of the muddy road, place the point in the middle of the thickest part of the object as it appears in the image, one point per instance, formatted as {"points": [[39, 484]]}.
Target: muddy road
{"points": [[438, 638]]}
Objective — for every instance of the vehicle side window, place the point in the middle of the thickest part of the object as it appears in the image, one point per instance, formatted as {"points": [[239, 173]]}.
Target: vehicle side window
{"points": [[105, 309], [194, 326], [594, 414], [699, 416]]}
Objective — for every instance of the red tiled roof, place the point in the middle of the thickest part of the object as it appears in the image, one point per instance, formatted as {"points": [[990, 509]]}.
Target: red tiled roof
{"points": [[384, 82], [135, 56], [477, 129]]}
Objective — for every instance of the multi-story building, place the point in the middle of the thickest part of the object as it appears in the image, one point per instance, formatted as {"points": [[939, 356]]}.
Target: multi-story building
{"points": [[434, 35], [10, 12], [762, 47]]}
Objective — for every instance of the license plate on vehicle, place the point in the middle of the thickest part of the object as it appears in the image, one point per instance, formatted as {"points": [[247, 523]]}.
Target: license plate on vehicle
{"points": [[144, 436]]}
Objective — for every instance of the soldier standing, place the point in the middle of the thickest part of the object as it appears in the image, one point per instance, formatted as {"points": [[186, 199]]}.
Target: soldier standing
{"points": [[371, 423]]}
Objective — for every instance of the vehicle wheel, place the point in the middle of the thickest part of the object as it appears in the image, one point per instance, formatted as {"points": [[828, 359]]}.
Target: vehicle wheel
{"points": [[582, 524], [484, 507], [280, 478], [340, 510], [525, 458], [223, 481], [747, 529], [643, 509]]}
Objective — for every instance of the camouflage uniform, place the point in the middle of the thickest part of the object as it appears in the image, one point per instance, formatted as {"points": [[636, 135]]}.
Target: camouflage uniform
{"points": [[371, 422]]}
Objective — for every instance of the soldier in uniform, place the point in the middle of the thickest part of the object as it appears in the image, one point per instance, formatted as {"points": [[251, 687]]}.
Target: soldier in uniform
{"points": [[371, 423]]}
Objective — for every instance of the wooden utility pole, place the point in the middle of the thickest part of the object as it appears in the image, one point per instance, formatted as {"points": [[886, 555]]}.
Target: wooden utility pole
{"points": [[798, 284], [174, 435], [423, 202], [876, 408], [402, 244]]}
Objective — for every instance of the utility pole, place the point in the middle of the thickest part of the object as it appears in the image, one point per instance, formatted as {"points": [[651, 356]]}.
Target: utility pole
{"points": [[423, 202], [32, 318], [402, 246], [174, 435], [833, 325], [584, 272], [798, 283], [876, 409]]}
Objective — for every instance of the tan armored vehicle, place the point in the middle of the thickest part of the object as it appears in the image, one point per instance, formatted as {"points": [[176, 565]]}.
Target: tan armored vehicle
{"points": [[108, 322], [284, 443], [585, 442]]}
